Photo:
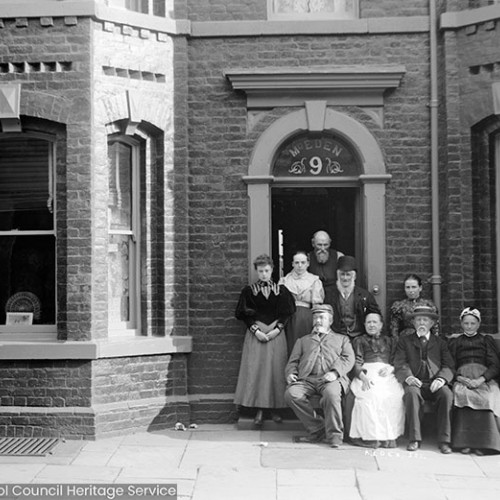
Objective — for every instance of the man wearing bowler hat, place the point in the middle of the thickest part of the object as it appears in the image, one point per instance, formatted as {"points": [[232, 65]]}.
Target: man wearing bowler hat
{"points": [[319, 364], [424, 366], [350, 302]]}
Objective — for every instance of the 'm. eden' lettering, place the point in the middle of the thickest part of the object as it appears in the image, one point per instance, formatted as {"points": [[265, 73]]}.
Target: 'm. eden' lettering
{"points": [[308, 144]]}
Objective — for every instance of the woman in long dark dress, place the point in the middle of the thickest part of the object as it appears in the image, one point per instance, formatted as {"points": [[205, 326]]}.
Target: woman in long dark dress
{"points": [[400, 322], [264, 307], [476, 396]]}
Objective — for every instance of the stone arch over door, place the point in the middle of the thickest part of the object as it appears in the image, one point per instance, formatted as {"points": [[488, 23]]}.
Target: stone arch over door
{"points": [[316, 117]]}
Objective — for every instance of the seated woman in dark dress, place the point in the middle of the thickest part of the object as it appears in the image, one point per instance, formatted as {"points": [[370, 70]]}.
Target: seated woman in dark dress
{"points": [[264, 307], [476, 396]]}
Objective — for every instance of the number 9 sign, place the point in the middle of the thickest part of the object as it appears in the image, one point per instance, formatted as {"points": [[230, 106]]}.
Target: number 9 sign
{"points": [[316, 165]]}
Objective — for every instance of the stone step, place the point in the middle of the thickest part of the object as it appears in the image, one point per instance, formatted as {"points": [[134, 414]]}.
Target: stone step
{"points": [[246, 424]]}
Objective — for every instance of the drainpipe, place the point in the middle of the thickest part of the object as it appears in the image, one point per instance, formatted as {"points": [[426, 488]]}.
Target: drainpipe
{"points": [[436, 277]]}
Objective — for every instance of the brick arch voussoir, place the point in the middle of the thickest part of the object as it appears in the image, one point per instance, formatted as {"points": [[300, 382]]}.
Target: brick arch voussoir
{"points": [[114, 108], [46, 106]]}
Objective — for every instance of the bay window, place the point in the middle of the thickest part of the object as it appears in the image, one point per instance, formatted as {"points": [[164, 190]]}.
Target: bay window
{"points": [[27, 234]]}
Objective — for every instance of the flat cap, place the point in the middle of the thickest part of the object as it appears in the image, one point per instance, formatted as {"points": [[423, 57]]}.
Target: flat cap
{"points": [[321, 308]]}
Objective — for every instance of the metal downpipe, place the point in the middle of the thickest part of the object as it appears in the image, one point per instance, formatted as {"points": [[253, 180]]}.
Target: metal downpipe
{"points": [[436, 276]]}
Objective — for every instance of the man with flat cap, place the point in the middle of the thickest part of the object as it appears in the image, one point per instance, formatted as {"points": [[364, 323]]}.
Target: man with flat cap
{"points": [[424, 366], [350, 302], [319, 364]]}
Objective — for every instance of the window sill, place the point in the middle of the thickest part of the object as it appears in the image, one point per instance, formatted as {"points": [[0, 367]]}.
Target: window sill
{"points": [[114, 348]]}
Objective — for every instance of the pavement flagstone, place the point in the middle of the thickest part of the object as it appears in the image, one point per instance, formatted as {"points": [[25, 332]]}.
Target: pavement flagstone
{"points": [[224, 463]]}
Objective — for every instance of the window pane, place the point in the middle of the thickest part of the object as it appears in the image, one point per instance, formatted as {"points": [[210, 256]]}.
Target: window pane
{"points": [[120, 186], [137, 5], [159, 8], [119, 279], [25, 188], [27, 277]]}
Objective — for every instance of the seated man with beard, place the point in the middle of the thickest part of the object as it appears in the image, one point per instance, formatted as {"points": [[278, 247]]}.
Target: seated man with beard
{"points": [[323, 260]]}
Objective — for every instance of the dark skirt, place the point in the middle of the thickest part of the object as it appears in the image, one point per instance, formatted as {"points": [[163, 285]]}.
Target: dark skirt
{"points": [[299, 325], [261, 380], [478, 429]]}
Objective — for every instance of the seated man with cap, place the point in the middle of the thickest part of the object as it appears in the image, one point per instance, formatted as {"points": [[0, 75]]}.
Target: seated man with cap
{"points": [[319, 364], [350, 302], [425, 367]]}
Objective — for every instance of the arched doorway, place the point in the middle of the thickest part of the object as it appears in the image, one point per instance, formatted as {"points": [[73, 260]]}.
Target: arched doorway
{"points": [[361, 187], [300, 205]]}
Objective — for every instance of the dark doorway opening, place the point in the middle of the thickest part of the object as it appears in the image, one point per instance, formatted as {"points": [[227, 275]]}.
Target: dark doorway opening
{"points": [[298, 212]]}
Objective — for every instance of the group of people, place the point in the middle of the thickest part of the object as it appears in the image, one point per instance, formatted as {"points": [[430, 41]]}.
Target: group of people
{"points": [[317, 333]]}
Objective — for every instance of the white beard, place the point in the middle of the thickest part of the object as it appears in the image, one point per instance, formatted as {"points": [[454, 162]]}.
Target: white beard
{"points": [[322, 257]]}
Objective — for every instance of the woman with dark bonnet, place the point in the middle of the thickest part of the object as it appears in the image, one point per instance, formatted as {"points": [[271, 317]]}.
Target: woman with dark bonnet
{"points": [[476, 396], [401, 310], [264, 307], [378, 413], [307, 291]]}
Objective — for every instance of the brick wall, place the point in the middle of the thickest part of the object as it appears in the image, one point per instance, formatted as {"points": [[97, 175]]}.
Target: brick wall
{"points": [[70, 91], [390, 8], [50, 58], [45, 384], [237, 10], [88, 399], [143, 392], [219, 153], [469, 201], [223, 10], [46, 399]]}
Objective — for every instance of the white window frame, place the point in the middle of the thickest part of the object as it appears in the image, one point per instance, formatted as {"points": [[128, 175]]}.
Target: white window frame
{"points": [[273, 15], [37, 332], [131, 327]]}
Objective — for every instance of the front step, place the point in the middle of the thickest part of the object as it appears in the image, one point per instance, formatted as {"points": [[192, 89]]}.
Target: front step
{"points": [[246, 424]]}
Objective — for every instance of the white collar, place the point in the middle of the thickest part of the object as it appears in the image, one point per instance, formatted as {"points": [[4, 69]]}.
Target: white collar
{"points": [[427, 336]]}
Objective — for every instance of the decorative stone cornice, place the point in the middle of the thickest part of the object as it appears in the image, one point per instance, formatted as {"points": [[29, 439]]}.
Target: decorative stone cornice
{"points": [[338, 85], [70, 10], [463, 18]]}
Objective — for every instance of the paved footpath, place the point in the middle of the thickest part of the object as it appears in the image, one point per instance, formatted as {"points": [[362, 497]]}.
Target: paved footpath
{"points": [[218, 462]]}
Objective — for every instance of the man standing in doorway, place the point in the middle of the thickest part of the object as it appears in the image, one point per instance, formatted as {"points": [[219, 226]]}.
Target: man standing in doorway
{"points": [[323, 261], [350, 302]]}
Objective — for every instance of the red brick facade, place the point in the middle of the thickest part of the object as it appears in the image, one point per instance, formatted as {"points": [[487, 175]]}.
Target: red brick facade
{"points": [[95, 72]]}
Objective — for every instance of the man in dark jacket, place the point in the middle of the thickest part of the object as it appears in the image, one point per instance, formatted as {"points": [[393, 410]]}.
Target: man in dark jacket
{"points": [[425, 367], [323, 260], [319, 364], [350, 303]]}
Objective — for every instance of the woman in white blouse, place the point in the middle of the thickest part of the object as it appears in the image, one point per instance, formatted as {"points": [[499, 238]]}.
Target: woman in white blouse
{"points": [[307, 291]]}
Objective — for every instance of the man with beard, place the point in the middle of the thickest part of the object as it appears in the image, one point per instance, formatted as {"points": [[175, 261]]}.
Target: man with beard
{"points": [[323, 261], [319, 364], [350, 303]]}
